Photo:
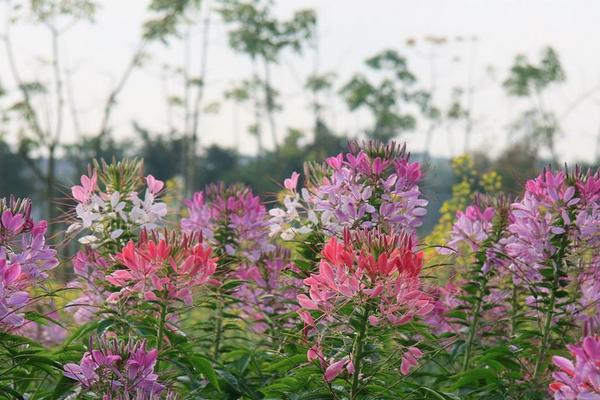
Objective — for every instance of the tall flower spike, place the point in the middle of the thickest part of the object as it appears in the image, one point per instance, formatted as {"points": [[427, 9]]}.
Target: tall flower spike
{"points": [[369, 269], [232, 220]]}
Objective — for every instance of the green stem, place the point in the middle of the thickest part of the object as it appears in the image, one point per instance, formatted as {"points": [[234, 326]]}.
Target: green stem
{"points": [[219, 327], [161, 330], [539, 363], [474, 323], [514, 311], [357, 352]]}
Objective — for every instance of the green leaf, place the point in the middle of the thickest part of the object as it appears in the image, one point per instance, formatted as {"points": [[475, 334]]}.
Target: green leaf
{"points": [[205, 368]]}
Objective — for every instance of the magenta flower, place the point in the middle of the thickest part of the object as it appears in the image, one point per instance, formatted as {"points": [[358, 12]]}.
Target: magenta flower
{"points": [[24, 259], [578, 378], [232, 220], [472, 227], [553, 204], [90, 270], [113, 369]]}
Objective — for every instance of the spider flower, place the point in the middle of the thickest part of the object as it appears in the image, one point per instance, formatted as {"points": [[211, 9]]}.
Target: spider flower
{"points": [[370, 186], [579, 377], [366, 267], [25, 259], [268, 291], [231, 219], [368, 270], [166, 269], [109, 207], [555, 204], [90, 270], [117, 370]]}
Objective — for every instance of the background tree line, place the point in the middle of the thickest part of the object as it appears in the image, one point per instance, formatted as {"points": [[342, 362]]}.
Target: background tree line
{"points": [[37, 158]]}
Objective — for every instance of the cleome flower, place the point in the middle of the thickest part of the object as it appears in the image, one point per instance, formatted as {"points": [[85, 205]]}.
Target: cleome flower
{"points": [[369, 270], [25, 259], [578, 378], [90, 270], [168, 268], [370, 186], [369, 266], [113, 369], [109, 207], [231, 219]]}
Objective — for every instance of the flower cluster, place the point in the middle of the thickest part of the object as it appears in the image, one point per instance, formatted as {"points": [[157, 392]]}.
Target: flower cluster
{"points": [[25, 259], [162, 269], [109, 206], [234, 222], [370, 186], [371, 270], [116, 370], [554, 205], [231, 219], [580, 378], [90, 270], [472, 227], [268, 291]]}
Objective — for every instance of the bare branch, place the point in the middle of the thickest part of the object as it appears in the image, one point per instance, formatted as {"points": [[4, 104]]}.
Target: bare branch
{"points": [[112, 97]]}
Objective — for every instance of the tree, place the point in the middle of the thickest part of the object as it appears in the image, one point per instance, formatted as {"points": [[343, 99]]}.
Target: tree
{"points": [[173, 20], [262, 37], [531, 81], [386, 100], [37, 135]]}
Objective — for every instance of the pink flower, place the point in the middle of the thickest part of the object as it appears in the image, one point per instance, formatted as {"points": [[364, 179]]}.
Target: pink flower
{"points": [[24, 260], [336, 368], [291, 183], [578, 379], [409, 359], [114, 369], [83, 192], [155, 269], [349, 273], [154, 185], [12, 222]]}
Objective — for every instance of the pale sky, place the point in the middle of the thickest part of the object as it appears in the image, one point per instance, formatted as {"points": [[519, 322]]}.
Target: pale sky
{"points": [[350, 31]]}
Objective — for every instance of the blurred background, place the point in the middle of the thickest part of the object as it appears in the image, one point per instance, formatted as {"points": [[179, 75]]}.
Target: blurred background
{"points": [[232, 90]]}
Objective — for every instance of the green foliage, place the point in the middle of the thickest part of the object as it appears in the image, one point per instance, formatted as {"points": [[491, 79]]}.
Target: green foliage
{"points": [[387, 99]]}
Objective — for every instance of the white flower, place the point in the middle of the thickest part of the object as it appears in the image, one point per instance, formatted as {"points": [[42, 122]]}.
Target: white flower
{"points": [[74, 228], [288, 234], [116, 233], [86, 215], [89, 239]]}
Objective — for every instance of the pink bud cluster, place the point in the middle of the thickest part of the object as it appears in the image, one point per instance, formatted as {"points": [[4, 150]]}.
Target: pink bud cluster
{"points": [[24, 259], [231, 219]]}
